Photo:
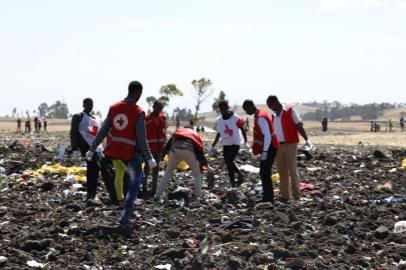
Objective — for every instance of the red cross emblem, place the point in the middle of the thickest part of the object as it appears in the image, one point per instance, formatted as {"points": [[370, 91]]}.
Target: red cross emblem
{"points": [[120, 121]]}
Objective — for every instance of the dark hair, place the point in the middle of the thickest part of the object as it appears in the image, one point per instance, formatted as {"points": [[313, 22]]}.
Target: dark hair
{"points": [[87, 100], [247, 102], [157, 102], [223, 103], [134, 86], [188, 126], [272, 98]]}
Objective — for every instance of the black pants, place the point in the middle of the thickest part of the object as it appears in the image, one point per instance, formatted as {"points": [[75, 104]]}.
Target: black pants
{"points": [[94, 167], [265, 171], [230, 152]]}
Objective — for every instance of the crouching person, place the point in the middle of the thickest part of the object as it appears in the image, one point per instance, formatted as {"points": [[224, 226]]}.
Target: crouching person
{"points": [[185, 145]]}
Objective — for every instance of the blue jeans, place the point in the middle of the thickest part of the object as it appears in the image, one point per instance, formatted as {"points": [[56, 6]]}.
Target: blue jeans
{"points": [[134, 180]]}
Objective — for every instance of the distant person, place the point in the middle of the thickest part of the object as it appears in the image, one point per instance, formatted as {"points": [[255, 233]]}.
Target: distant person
{"points": [[264, 143], [28, 125], [402, 124], [84, 128], [36, 123], [156, 125], [372, 125], [185, 145], [390, 124], [127, 147], [177, 121], [288, 126], [202, 129], [324, 124], [39, 126], [44, 120], [228, 126], [18, 125], [191, 122], [377, 127], [198, 129]]}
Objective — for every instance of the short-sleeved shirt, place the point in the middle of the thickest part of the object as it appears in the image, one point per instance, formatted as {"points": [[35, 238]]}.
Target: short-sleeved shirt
{"points": [[229, 129], [277, 122]]}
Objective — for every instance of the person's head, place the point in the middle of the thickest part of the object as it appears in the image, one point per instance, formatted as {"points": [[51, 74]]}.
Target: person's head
{"points": [[273, 103], [88, 105], [249, 107], [157, 107], [223, 107], [188, 126], [135, 90]]}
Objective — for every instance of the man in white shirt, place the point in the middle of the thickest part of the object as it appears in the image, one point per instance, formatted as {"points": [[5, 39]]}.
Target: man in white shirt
{"points": [[265, 143], [288, 126], [229, 126]]}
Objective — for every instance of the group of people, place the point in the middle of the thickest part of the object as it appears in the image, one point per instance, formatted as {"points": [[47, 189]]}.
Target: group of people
{"points": [[28, 128], [134, 138]]}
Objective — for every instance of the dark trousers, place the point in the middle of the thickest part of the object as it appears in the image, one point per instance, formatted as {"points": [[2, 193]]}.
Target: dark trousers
{"points": [[230, 152], [94, 167], [155, 172], [265, 171]]}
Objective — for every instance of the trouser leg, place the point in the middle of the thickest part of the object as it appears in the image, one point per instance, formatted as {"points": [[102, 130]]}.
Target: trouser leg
{"points": [[291, 155], [92, 173], [190, 158], [266, 175], [119, 169], [281, 162], [172, 163], [108, 175], [134, 173]]}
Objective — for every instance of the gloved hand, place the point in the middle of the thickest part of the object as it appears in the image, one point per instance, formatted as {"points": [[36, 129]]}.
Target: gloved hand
{"points": [[89, 155], [264, 155], [308, 145], [152, 163], [75, 155], [247, 146], [161, 164]]}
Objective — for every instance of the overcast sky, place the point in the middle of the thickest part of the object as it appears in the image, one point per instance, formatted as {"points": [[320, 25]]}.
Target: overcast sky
{"points": [[345, 50]]}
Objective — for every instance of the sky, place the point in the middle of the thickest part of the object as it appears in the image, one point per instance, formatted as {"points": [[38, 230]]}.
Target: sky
{"points": [[345, 50]]}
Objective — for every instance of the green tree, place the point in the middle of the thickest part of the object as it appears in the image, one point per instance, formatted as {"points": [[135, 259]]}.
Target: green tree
{"points": [[43, 110], [221, 97], [166, 91], [202, 92], [59, 110]]}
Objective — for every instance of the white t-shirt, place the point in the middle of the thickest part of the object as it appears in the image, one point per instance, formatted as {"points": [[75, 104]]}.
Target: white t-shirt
{"points": [[277, 122], [88, 128], [230, 129]]}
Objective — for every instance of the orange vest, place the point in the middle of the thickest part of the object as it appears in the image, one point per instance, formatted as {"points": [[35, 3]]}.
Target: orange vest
{"points": [[190, 134], [123, 117], [156, 131], [257, 146], [289, 127]]}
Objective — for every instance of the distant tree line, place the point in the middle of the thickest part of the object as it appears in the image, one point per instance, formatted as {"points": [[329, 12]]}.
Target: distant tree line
{"points": [[57, 110], [336, 110]]}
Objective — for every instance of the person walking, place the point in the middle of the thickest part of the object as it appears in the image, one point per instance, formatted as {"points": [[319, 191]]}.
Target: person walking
{"points": [[266, 144], [288, 126], [127, 147], [229, 126], [84, 128], [184, 145], [402, 124], [156, 137], [18, 125]]}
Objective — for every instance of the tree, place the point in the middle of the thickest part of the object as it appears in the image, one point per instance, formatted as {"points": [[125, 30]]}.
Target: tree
{"points": [[59, 110], [150, 100], [43, 110], [184, 114], [221, 97], [202, 92], [167, 91]]}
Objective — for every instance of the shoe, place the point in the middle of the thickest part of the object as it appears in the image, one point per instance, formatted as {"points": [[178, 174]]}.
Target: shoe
{"points": [[240, 180]]}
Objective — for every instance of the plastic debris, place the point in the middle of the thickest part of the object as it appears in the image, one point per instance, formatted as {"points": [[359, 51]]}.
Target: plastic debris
{"points": [[34, 263], [163, 266], [400, 227]]}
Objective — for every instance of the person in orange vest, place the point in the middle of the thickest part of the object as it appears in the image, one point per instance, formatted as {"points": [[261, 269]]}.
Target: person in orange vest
{"points": [[125, 124], [287, 126], [184, 145], [265, 143], [156, 138], [228, 126]]}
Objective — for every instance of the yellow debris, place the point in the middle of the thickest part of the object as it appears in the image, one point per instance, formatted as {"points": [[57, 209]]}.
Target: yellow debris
{"points": [[182, 166], [57, 168], [403, 166], [275, 177]]}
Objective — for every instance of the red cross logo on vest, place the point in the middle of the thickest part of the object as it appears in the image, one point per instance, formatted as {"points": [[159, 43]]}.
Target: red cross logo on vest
{"points": [[228, 131], [120, 121]]}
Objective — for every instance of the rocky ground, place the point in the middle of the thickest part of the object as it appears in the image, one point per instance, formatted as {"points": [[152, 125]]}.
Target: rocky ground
{"points": [[341, 222]]}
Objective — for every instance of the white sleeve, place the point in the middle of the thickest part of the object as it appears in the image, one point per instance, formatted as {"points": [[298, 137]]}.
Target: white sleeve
{"points": [[296, 117], [263, 125]]}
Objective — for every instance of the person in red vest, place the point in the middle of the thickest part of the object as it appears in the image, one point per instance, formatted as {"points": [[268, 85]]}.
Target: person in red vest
{"points": [[265, 143], [156, 138], [185, 145], [287, 126], [125, 124]]}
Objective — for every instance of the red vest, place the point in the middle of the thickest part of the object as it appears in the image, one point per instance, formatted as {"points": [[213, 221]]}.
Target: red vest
{"points": [[289, 127], [156, 131], [123, 117], [258, 145], [190, 134]]}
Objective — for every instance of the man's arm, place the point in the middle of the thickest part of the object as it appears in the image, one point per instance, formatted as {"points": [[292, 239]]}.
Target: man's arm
{"points": [[140, 132], [74, 131], [263, 125], [302, 131], [216, 139], [166, 148]]}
